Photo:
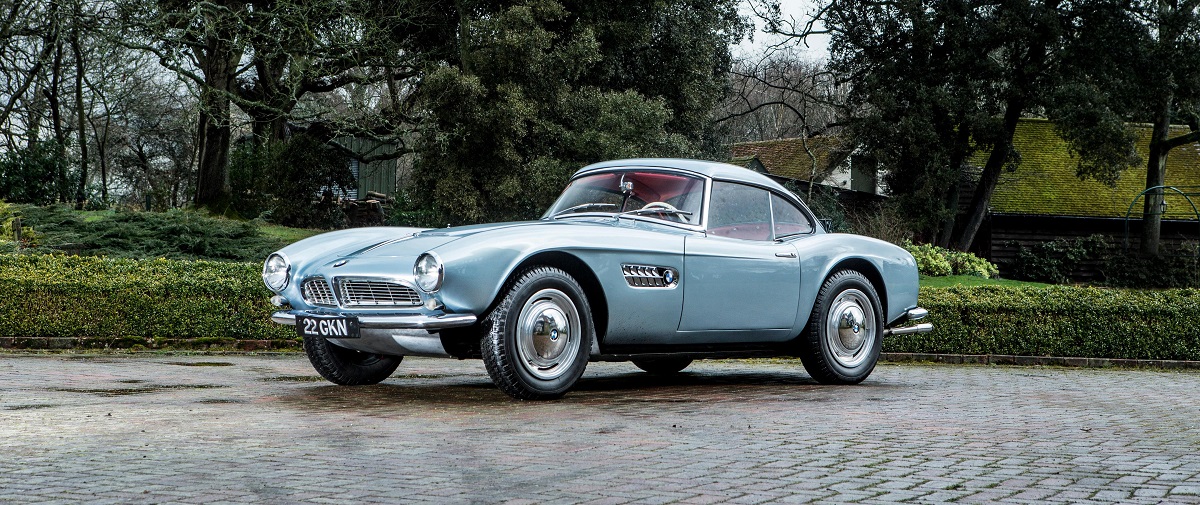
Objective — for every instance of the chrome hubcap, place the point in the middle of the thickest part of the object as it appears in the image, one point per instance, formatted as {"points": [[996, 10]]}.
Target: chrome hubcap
{"points": [[548, 334], [849, 328]]}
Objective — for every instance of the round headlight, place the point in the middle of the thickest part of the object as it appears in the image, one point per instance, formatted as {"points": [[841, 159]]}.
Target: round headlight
{"points": [[275, 271], [428, 271]]}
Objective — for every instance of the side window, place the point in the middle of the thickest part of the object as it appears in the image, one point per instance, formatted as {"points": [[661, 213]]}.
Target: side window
{"points": [[739, 211], [789, 219]]}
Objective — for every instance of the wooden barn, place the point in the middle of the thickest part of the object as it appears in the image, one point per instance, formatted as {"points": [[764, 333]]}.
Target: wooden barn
{"points": [[1044, 200]]}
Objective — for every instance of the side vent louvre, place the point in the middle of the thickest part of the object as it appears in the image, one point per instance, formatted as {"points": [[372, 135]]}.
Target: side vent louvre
{"points": [[644, 276]]}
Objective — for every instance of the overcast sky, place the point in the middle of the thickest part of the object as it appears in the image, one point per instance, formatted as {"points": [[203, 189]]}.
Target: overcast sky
{"points": [[817, 49]]}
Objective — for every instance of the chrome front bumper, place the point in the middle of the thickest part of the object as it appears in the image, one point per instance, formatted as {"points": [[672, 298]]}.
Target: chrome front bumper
{"points": [[913, 314], [411, 335]]}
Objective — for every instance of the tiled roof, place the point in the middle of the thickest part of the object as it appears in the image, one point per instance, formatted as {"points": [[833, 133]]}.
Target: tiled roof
{"points": [[788, 158], [1045, 182]]}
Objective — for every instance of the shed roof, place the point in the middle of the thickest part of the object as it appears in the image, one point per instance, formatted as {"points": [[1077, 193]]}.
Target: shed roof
{"points": [[788, 158], [1045, 182]]}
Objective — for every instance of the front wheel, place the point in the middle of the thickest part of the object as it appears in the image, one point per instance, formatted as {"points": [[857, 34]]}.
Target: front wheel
{"points": [[539, 335], [348, 367], [844, 336]]}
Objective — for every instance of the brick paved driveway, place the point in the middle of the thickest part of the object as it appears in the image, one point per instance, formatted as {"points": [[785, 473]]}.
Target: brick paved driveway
{"points": [[192, 429]]}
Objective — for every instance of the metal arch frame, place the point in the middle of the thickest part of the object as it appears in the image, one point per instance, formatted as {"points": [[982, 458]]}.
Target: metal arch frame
{"points": [[1186, 196]]}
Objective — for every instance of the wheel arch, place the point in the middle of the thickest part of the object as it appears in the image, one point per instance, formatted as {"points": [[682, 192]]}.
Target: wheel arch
{"points": [[577, 269], [868, 270]]}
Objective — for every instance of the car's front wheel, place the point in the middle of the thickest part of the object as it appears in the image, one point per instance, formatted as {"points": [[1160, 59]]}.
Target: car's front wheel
{"points": [[539, 335], [348, 367], [844, 336]]}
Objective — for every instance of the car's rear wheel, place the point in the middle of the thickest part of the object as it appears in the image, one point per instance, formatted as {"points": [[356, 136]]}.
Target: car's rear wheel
{"points": [[663, 366], [348, 367], [844, 336], [539, 335]]}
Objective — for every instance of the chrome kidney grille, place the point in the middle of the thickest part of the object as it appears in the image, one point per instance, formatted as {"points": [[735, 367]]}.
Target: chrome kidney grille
{"points": [[364, 293], [359, 293], [316, 292]]}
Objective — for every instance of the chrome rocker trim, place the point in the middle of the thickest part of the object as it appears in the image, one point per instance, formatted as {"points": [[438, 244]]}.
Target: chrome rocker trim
{"points": [[395, 335], [913, 314]]}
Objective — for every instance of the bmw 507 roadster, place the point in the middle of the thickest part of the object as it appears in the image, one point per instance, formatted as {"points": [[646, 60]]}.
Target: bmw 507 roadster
{"points": [[654, 261]]}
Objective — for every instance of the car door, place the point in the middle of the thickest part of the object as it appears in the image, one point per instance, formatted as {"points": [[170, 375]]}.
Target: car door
{"points": [[736, 276]]}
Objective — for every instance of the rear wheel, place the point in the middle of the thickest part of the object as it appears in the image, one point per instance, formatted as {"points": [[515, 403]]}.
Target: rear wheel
{"points": [[844, 336], [663, 366], [539, 335], [348, 367]]}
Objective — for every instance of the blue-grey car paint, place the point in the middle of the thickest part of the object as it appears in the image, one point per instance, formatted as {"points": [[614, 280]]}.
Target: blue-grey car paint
{"points": [[479, 259]]}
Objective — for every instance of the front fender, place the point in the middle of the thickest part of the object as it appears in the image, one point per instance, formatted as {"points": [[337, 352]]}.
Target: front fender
{"points": [[822, 255]]}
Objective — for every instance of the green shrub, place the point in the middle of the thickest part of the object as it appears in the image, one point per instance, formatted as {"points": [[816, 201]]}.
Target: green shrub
{"points": [[1055, 261], [133, 301], [174, 234], [32, 175], [1177, 267], [1066, 321], [935, 261]]}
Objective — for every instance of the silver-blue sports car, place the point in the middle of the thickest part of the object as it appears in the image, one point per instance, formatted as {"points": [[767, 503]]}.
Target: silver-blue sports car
{"points": [[654, 261]]}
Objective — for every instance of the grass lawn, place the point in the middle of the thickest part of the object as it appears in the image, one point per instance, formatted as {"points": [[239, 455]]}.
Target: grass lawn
{"points": [[287, 235], [970, 280]]}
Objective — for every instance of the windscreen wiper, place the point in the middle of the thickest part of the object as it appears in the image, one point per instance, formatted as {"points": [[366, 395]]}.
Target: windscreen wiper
{"points": [[580, 207]]}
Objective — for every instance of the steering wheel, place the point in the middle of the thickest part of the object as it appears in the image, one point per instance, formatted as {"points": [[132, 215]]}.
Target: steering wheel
{"points": [[660, 205]]}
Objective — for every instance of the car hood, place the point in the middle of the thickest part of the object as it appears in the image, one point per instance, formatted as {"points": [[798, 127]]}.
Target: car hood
{"points": [[382, 242]]}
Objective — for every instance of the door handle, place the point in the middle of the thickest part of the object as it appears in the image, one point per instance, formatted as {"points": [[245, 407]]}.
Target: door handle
{"points": [[785, 255]]}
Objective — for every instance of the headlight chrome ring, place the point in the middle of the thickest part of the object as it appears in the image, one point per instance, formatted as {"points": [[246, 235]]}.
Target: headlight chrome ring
{"points": [[276, 271], [429, 272]]}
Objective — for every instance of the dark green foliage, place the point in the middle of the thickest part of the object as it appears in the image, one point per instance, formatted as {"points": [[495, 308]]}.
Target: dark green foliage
{"points": [[134, 301], [290, 183], [1055, 261], [126, 234], [539, 89], [823, 201], [1061, 321], [1177, 267], [31, 175]]}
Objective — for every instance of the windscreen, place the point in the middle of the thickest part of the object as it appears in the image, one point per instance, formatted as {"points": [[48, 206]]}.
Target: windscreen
{"points": [[658, 195]]}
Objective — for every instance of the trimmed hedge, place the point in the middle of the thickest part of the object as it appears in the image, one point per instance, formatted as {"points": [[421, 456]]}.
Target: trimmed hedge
{"points": [[107, 302], [1062, 321], [73, 301]]}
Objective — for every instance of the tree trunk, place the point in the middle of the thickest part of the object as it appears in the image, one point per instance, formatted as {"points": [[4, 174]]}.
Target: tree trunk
{"points": [[212, 183], [81, 115], [962, 144], [218, 62], [991, 175], [60, 136], [1156, 169]]}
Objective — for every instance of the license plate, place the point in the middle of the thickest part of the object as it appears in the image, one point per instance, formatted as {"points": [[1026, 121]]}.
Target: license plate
{"points": [[328, 327]]}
